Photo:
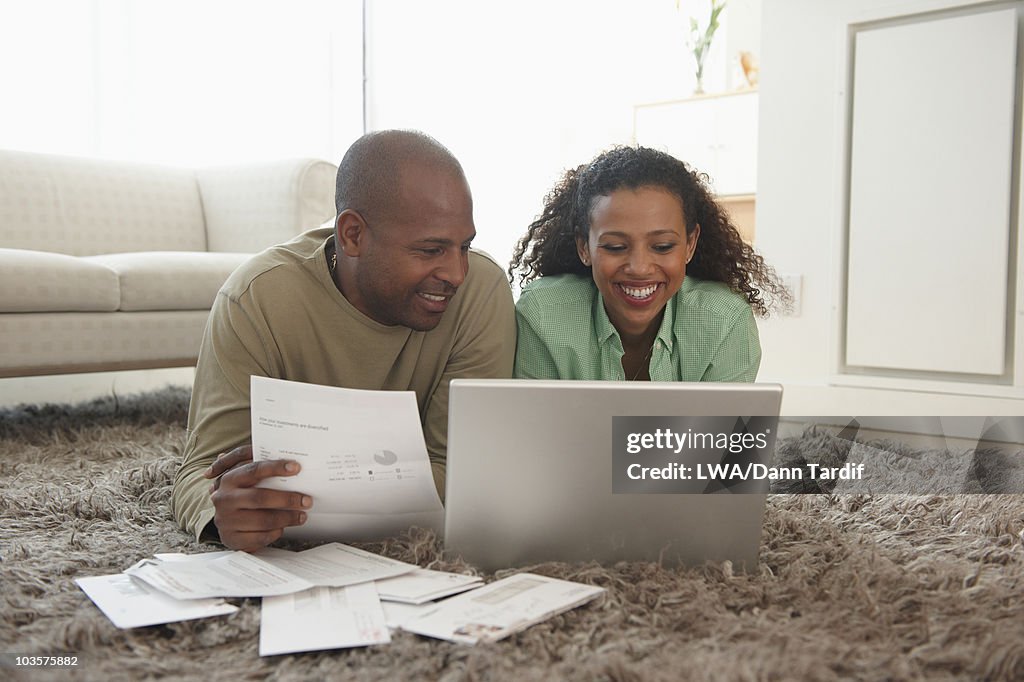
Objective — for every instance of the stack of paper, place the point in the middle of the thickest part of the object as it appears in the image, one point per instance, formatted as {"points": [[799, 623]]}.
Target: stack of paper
{"points": [[322, 618], [329, 597], [269, 572], [500, 609], [132, 604], [423, 585]]}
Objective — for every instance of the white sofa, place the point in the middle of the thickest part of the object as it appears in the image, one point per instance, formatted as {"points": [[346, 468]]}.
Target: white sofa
{"points": [[107, 265]]}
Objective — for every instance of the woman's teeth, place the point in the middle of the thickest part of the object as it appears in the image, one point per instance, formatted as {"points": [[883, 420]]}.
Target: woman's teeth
{"points": [[641, 292]]}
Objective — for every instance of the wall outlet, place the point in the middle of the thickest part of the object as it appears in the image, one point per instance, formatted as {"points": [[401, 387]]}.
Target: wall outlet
{"points": [[793, 283]]}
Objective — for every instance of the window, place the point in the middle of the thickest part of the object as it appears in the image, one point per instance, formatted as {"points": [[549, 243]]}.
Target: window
{"points": [[188, 82]]}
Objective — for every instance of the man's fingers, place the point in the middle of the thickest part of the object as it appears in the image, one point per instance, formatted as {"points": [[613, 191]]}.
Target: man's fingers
{"points": [[264, 520], [229, 460], [237, 499], [250, 529], [250, 542], [248, 517], [248, 475]]}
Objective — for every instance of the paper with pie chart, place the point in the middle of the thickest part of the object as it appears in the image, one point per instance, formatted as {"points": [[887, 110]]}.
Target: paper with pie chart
{"points": [[363, 458]]}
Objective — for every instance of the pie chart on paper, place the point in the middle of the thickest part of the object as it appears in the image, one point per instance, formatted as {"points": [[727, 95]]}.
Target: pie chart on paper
{"points": [[385, 458]]}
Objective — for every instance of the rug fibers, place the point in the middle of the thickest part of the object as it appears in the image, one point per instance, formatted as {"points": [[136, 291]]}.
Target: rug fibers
{"points": [[865, 587]]}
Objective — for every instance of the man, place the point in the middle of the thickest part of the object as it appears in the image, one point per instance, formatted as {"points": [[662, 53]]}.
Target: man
{"points": [[390, 297]]}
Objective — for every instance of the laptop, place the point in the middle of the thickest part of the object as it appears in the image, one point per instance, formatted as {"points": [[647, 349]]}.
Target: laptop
{"points": [[530, 472]]}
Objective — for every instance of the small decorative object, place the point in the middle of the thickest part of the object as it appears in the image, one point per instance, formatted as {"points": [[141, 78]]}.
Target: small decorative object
{"points": [[700, 41], [751, 71]]}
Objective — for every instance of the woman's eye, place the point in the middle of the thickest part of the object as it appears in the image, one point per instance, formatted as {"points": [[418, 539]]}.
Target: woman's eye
{"points": [[664, 248], [613, 247]]}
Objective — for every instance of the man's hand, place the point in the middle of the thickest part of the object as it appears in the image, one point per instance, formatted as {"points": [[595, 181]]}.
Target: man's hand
{"points": [[226, 461], [247, 517]]}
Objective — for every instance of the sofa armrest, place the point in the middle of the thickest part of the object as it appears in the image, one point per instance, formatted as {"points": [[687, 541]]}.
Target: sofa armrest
{"points": [[253, 206]]}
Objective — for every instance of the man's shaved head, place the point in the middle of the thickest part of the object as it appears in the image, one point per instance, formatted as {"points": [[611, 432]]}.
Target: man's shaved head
{"points": [[368, 177]]}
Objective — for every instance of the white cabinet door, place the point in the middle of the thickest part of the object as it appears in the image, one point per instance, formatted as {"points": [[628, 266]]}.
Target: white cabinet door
{"points": [[737, 144], [716, 135]]}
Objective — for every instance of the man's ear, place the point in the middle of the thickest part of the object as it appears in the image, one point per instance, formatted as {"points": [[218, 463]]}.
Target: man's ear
{"points": [[350, 232]]}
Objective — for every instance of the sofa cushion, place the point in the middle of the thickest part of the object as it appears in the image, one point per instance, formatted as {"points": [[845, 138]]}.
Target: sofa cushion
{"points": [[39, 282], [251, 207], [83, 207], [59, 343], [169, 280]]}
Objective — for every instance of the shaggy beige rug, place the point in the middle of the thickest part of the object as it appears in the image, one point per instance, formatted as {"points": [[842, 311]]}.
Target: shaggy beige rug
{"points": [[848, 587]]}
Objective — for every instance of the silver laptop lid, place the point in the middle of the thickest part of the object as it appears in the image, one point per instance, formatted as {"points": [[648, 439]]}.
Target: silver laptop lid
{"points": [[530, 475]]}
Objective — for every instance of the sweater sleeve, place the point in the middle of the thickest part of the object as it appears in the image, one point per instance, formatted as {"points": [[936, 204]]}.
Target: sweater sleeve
{"points": [[219, 417], [484, 348]]}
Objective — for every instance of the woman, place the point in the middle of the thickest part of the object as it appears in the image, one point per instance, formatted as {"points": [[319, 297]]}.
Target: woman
{"points": [[634, 272]]}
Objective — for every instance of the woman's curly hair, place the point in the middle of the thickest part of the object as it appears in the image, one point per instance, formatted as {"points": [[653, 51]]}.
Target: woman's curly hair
{"points": [[549, 245]]}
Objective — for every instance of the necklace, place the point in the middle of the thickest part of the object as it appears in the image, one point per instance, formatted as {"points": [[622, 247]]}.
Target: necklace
{"points": [[643, 361], [332, 257]]}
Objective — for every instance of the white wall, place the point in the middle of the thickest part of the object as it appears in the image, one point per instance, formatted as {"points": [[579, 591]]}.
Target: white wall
{"points": [[799, 218], [798, 160], [521, 91], [189, 83]]}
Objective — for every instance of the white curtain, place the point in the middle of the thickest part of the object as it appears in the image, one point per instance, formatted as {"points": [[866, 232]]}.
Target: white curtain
{"points": [[189, 82], [519, 91]]}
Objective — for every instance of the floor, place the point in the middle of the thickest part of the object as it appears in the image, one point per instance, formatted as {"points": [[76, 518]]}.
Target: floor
{"points": [[73, 388], [912, 436]]}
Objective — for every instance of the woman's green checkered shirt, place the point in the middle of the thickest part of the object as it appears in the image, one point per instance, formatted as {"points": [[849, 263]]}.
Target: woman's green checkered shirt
{"points": [[708, 333]]}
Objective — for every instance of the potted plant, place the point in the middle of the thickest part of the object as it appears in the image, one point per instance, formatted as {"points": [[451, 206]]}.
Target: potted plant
{"points": [[700, 40]]}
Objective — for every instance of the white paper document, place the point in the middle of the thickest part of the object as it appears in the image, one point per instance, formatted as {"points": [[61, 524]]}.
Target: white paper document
{"points": [[363, 458], [396, 613], [334, 564], [237, 574], [132, 604], [202, 556], [322, 618], [501, 608], [423, 585]]}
